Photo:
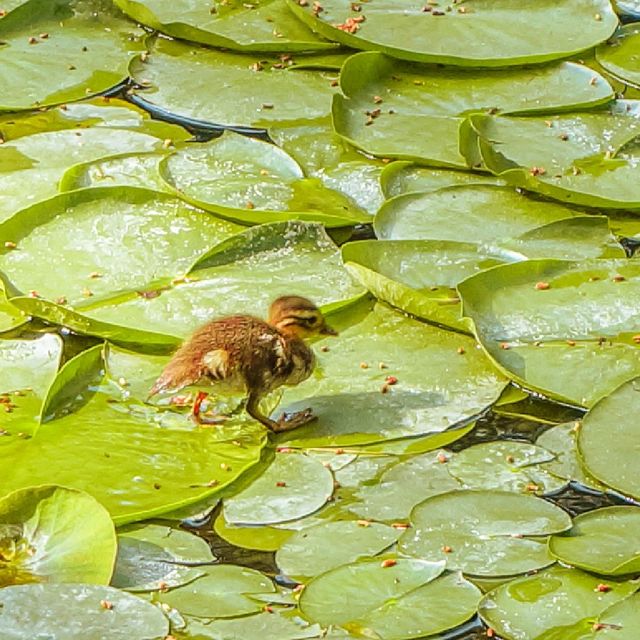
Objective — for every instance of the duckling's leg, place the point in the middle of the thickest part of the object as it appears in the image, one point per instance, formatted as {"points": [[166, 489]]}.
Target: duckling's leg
{"points": [[286, 422], [196, 415]]}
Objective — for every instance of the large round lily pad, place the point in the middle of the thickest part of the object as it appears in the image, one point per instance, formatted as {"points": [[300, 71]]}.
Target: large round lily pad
{"points": [[239, 89], [557, 603], [609, 440], [97, 242], [403, 110], [563, 328], [253, 181], [52, 53], [482, 33], [54, 534], [484, 533], [266, 25], [603, 541], [619, 55], [317, 549], [423, 386], [293, 486], [77, 612]]}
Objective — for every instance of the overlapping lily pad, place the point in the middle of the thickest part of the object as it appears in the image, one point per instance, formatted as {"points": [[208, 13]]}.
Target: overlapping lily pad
{"points": [[154, 557], [407, 111], [252, 181], [395, 600], [265, 25], [484, 533], [556, 603], [78, 612], [358, 402], [54, 534], [610, 432], [619, 55], [137, 461], [560, 327], [51, 52], [484, 33], [581, 158], [98, 228], [241, 90]]}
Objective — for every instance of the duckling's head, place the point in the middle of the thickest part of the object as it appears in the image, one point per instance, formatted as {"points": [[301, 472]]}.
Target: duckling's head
{"points": [[299, 317]]}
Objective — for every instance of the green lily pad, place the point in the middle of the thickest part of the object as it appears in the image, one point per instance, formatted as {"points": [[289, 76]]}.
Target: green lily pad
{"points": [[324, 155], [98, 228], [154, 557], [31, 166], [10, 316], [10, 5], [137, 460], [478, 214], [402, 177], [556, 603], [436, 388], [266, 25], [561, 441], [621, 619], [51, 53], [318, 549], [131, 170], [484, 533], [261, 625], [506, 465], [252, 181], [557, 340], [603, 541], [581, 158], [252, 268], [619, 55], [27, 368], [293, 486], [397, 601], [403, 110], [608, 440], [240, 85], [54, 534], [224, 591], [484, 33], [258, 538]]}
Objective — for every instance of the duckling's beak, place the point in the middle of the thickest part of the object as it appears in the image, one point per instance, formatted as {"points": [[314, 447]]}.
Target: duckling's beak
{"points": [[328, 331]]}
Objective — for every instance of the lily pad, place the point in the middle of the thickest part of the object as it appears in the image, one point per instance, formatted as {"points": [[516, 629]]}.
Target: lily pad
{"points": [[318, 549], [394, 601], [54, 534], [403, 110], [10, 316], [51, 52], [484, 533], [603, 541], [621, 619], [262, 538], [77, 612], [324, 155], [358, 402], [244, 90], [581, 158], [556, 603], [484, 33], [619, 55], [266, 25], [138, 461], [293, 486], [154, 557], [608, 440], [32, 165], [224, 591], [506, 465], [252, 268], [98, 228], [402, 177], [543, 322], [252, 181]]}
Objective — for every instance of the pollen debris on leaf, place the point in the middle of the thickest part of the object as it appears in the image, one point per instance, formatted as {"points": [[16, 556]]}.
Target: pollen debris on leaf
{"points": [[532, 487], [33, 40], [95, 274], [401, 525], [385, 388], [105, 604], [597, 626], [593, 81], [510, 459], [505, 346], [364, 523], [377, 99], [542, 286], [537, 171], [461, 350], [250, 205], [391, 380], [636, 339], [268, 608], [364, 365], [447, 549], [618, 278], [490, 633], [284, 450], [324, 348], [603, 588], [10, 245], [442, 458], [281, 483], [389, 562], [571, 343]]}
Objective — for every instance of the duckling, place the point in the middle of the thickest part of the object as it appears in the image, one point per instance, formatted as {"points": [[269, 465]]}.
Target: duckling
{"points": [[248, 354]]}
